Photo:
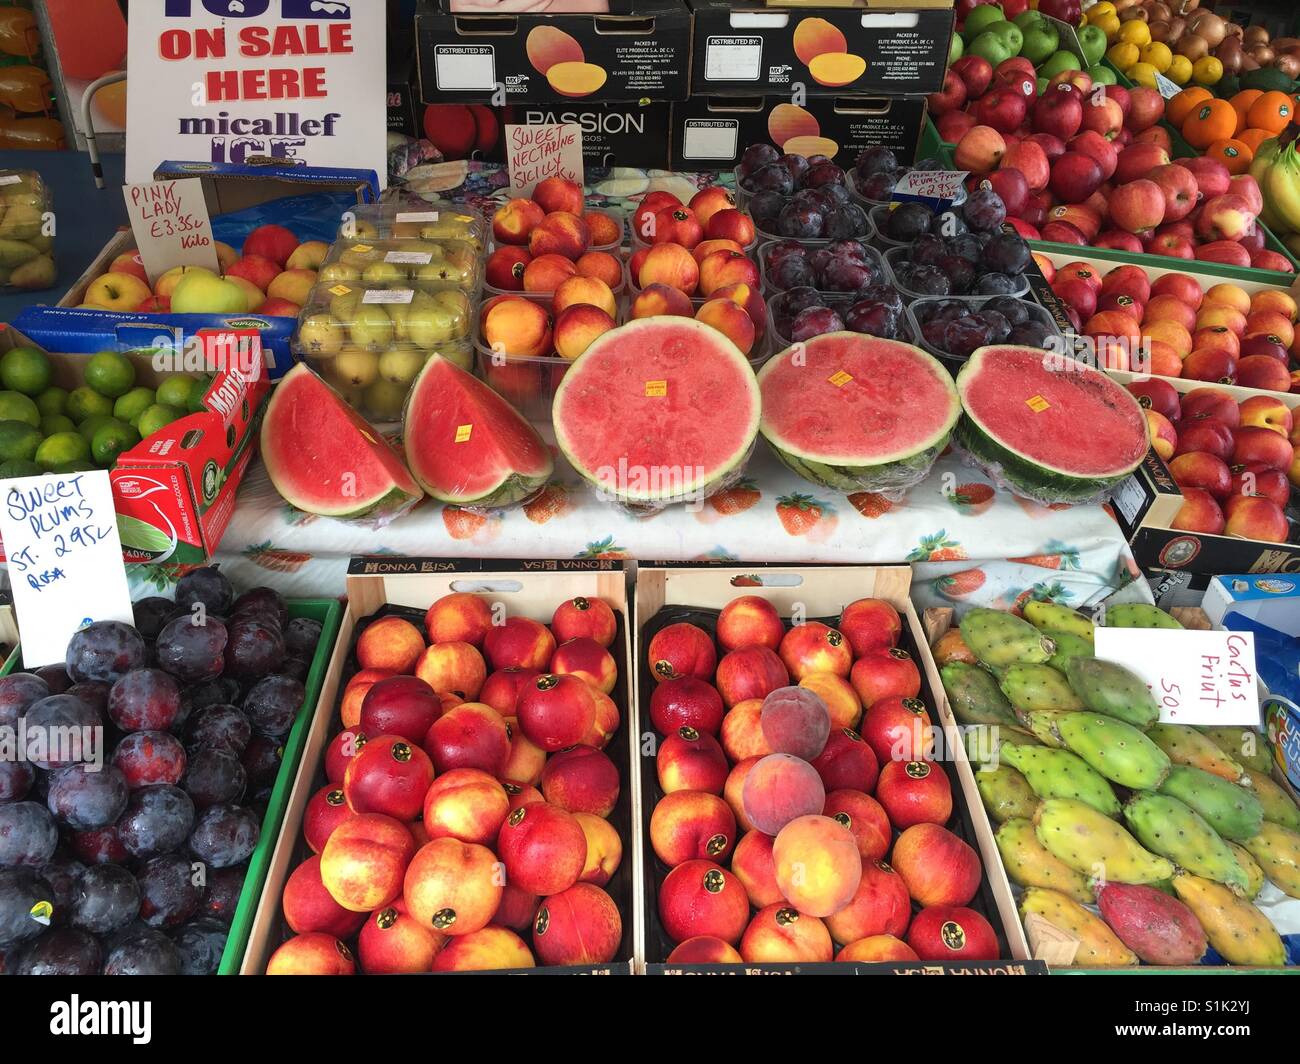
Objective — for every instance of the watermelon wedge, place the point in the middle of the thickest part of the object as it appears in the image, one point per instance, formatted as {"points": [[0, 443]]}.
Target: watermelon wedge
{"points": [[852, 412], [1052, 428], [324, 458], [468, 446], [657, 411]]}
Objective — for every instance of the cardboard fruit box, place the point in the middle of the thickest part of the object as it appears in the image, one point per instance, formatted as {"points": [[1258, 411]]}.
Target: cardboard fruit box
{"points": [[382, 586], [174, 492], [695, 593]]}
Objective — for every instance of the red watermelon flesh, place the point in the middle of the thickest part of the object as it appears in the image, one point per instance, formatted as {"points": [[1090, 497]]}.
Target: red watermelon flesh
{"points": [[325, 458]]}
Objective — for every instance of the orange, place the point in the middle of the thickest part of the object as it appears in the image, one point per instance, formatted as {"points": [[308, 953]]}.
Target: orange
{"points": [[1253, 138], [1180, 106], [1241, 104], [1271, 111], [1209, 121], [1234, 154]]}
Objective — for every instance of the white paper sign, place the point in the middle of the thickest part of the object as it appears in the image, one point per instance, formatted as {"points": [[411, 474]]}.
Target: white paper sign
{"points": [[930, 186], [171, 225], [224, 81], [534, 153], [1167, 88], [1195, 677], [65, 559]]}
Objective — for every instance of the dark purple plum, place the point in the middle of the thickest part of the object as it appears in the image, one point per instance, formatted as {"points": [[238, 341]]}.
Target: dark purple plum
{"points": [[947, 310], [258, 601], [927, 249], [964, 336], [998, 326], [225, 835], [1006, 253], [301, 635], [984, 210], [145, 700], [214, 776], [997, 284], [837, 195], [907, 221], [817, 160], [62, 873], [786, 305], [934, 333], [1010, 308], [775, 177], [797, 166], [874, 319], [62, 730], [148, 758], [208, 586], [105, 650], [56, 678], [949, 224], [819, 259], [221, 896], [222, 691], [1031, 334], [966, 246], [874, 160], [24, 896], [846, 275], [844, 222], [143, 952], [93, 692], [262, 759], [15, 780], [17, 693], [107, 899], [929, 163], [169, 893], [28, 835], [815, 321], [878, 187], [927, 281], [756, 155], [765, 206], [791, 271], [103, 846], [63, 951], [83, 799], [273, 703], [849, 249], [253, 649], [222, 726], [157, 820], [151, 614], [826, 173], [780, 249], [200, 944], [193, 653], [298, 668], [799, 222], [884, 293], [961, 273]]}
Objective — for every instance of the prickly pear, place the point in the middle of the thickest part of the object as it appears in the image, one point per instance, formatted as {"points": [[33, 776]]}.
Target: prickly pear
{"points": [[1068, 647], [1106, 687], [1234, 812], [1099, 947], [1006, 793], [1042, 725], [1247, 746], [1187, 746], [1061, 774], [1158, 928], [1093, 844], [1028, 864], [1053, 617], [1172, 829], [1117, 750], [975, 696], [1037, 687], [984, 742], [1137, 615], [1000, 639], [1278, 807], [1277, 851], [1254, 874], [952, 647], [1236, 929]]}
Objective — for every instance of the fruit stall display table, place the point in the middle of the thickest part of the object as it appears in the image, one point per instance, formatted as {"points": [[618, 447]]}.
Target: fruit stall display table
{"points": [[956, 524]]}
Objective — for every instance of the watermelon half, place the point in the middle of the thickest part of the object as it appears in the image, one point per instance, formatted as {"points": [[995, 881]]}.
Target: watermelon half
{"points": [[468, 446], [1054, 429], [659, 410], [852, 412], [324, 458]]}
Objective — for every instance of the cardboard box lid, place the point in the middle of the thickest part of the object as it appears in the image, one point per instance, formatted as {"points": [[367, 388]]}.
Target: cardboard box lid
{"points": [[744, 11], [639, 20], [244, 185]]}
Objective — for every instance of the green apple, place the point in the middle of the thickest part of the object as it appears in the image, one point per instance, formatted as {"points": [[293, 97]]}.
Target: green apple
{"points": [[203, 292], [1102, 75], [1042, 85], [1041, 40], [990, 46], [1010, 33], [1027, 18], [1092, 40], [1059, 61], [981, 17], [956, 49]]}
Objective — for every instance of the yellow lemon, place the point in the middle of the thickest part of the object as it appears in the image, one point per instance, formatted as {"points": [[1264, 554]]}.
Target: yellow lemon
{"points": [[1207, 70], [1180, 70], [1123, 54], [1158, 55], [1143, 74], [1108, 24], [1135, 31], [1103, 8]]}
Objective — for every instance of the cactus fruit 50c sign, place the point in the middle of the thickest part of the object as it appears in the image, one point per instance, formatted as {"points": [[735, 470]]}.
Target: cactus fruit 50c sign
{"points": [[228, 80]]}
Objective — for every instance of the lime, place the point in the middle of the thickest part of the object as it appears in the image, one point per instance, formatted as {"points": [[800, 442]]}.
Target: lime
{"points": [[110, 441], [83, 402], [19, 467], [62, 451], [175, 391], [52, 423], [198, 390], [156, 417], [52, 401], [133, 404], [94, 423], [18, 440], [26, 370], [14, 406], [110, 374]]}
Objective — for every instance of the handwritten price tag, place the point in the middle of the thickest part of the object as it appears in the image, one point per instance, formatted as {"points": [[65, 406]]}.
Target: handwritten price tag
{"points": [[938, 188], [534, 153], [171, 225], [1195, 677], [65, 559]]}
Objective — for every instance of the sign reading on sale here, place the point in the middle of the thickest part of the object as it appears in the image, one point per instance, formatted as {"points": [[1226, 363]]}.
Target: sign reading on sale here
{"points": [[225, 81], [534, 153], [1195, 677], [171, 225]]}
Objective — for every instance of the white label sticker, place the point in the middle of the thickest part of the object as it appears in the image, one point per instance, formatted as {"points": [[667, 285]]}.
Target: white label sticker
{"points": [[1167, 88], [413, 258], [11, 179], [733, 59], [461, 68], [710, 138], [417, 216], [388, 295]]}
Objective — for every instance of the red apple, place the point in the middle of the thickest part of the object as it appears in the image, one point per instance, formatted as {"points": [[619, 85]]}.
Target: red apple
{"points": [[1172, 245], [1228, 252], [1079, 215], [954, 125], [1122, 97], [1075, 177], [976, 72], [1036, 208], [1103, 116], [1138, 160], [1271, 260], [1027, 231], [1146, 107], [1247, 188], [1226, 217], [1064, 233], [1138, 206], [950, 98], [1119, 240], [1052, 145], [1002, 108], [1058, 111], [1179, 189], [1012, 187], [1212, 177], [980, 150], [1029, 158], [1097, 147]]}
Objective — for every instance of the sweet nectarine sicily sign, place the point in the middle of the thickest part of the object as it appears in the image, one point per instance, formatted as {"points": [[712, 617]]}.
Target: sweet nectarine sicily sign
{"points": [[228, 80]]}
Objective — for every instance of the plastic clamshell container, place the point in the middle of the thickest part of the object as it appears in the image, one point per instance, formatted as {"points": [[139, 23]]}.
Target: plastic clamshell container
{"points": [[411, 221], [618, 291], [766, 235], [27, 261], [427, 265], [916, 312], [839, 302], [769, 288], [896, 257]]}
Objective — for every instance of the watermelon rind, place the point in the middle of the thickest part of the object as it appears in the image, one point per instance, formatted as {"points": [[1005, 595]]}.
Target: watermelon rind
{"points": [[1029, 477], [889, 472], [289, 453], [444, 468]]}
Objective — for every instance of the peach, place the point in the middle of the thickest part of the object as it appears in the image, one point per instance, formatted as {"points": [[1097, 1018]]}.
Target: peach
{"points": [[326, 810], [779, 934], [505, 267], [1205, 403], [355, 693], [865, 819], [671, 265], [750, 672], [681, 649], [1228, 295], [487, 949], [1224, 315], [711, 201], [460, 617], [1199, 513], [878, 949], [471, 735], [465, 804], [687, 825], [526, 760], [1209, 364], [846, 762], [388, 775], [587, 660], [817, 864], [705, 248], [704, 949], [515, 220], [363, 862], [581, 780], [880, 906], [517, 326], [1200, 469], [686, 701], [1216, 338], [731, 225], [841, 700], [749, 621], [557, 193], [1171, 333], [392, 643], [520, 642], [547, 272], [780, 789], [578, 290], [580, 925], [937, 866], [559, 233], [556, 711], [1181, 286], [543, 848], [753, 865], [733, 791], [606, 722], [589, 617], [604, 849], [393, 942], [731, 320], [453, 886], [1274, 299], [742, 731], [606, 231], [309, 906], [701, 898], [898, 729], [674, 224], [1163, 360], [312, 954], [601, 266], [1253, 443], [795, 721], [1263, 372], [1266, 411], [914, 792], [885, 674], [658, 300], [457, 668], [1163, 437], [690, 760], [1170, 308], [750, 300], [401, 705], [501, 689], [1256, 517], [815, 647], [723, 268]]}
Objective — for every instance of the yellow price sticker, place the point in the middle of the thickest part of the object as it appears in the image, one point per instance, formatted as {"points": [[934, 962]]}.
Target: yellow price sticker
{"points": [[1037, 404], [362, 248], [463, 433], [840, 379], [656, 389], [340, 290]]}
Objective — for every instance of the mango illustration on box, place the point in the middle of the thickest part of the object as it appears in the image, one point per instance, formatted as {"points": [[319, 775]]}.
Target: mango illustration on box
{"points": [[797, 132], [559, 58], [823, 49]]}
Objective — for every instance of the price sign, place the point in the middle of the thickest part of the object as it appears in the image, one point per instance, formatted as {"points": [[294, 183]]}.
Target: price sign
{"points": [[534, 153], [936, 188], [1195, 677], [171, 225], [65, 559]]}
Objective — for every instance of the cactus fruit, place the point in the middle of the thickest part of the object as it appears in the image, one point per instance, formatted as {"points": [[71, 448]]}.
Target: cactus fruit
{"points": [[1245, 745], [1138, 615], [1093, 844], [1117, 750], [1278, 807], [1000, 639], [1277, 852], [1234, 812], [1042, 725], [1172, 829], [975, 696], [984, 742], [1238, 931], [1187, 746], [1053, 617], [1028, 864], [1106, 687], [1035, 687], [1068, 647], [1099, 947], [1254, 874], [1006, 793], [1158, 928], [1061, 774]]}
